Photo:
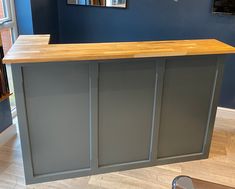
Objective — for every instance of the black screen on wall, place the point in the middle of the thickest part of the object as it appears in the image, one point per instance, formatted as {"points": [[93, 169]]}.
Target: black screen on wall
{"points": [[224, 6]]}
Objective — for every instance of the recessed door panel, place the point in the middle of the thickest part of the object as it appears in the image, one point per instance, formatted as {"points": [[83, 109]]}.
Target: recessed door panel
{"points": [[126, 99], [187, 95], [57, 104]]}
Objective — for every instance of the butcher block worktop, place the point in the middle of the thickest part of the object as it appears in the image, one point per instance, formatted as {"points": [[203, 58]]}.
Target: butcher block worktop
{"points": [[36, 48]]}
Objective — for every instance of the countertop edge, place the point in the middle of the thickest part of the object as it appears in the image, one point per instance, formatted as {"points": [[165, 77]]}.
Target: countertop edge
{"points": [[36, 49]]}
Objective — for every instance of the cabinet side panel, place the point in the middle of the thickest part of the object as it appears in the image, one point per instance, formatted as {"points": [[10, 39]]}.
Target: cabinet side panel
{"points": [[126, 99], [57, 105], [187, 93]]}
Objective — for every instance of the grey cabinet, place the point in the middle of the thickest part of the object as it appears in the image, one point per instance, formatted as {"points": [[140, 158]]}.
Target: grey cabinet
{"points": [[83, 118]]}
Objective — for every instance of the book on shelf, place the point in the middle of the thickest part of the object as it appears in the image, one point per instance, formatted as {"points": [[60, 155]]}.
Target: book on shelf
{"points": [[1, 86], [4, 86]]}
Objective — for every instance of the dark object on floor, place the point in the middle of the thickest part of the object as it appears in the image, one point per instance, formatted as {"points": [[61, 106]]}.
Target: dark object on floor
{"points": [[185, 182]]}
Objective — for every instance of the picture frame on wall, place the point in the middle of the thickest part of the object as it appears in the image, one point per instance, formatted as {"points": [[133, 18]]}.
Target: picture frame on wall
{"points": [[99, 3], [224, 7]]}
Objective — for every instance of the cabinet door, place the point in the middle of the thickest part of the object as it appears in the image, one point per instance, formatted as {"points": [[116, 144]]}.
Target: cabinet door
{"points": [[126, 99], [185, 113], [57, 104]]}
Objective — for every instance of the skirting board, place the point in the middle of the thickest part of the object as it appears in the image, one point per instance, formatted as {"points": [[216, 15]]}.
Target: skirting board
{"points": [[7, 134], [226, 113], [14, 113]]}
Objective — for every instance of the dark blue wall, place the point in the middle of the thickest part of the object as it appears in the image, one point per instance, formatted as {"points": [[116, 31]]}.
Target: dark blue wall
{"points": [[152, 20], [24, 16], [45, 18], [37, 17], [227, 98], [144, 20]]}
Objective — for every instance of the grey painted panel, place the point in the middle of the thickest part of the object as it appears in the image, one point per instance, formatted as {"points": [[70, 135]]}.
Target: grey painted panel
{"points": [[57, 104], [126, 98], [94, 114], [214, 104], [22, 121], [157, 107], [187, 93]]}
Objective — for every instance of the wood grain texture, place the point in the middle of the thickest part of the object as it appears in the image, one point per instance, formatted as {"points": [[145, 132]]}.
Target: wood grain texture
{"points": [[35, 48], [219, 168]]}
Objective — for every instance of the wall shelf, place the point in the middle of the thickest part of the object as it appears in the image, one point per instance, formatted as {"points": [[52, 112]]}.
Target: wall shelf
{"points": [[5, 97]]}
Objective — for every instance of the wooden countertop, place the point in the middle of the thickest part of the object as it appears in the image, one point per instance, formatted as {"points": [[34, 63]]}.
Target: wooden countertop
{"points": [[35, 48]]}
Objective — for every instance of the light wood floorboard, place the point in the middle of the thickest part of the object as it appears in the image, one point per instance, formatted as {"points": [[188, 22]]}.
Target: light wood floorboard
{"points": [[219, 168]]}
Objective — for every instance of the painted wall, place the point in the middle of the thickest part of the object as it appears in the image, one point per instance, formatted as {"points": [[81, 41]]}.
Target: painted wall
{"points": [[144, 20], [227, 98], [37, 17], [24, 16], [45, 18]]}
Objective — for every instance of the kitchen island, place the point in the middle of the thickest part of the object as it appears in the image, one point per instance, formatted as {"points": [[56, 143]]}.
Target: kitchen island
{"points": [[86, 109]]}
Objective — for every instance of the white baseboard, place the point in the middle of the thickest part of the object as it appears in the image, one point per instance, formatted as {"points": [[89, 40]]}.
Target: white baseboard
{"points": [[7, 134], [226, 113], [14, 113], [226, 109]]}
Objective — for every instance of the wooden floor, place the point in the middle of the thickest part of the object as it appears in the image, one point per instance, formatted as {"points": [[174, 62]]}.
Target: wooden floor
{"points": [[219, 168]]}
